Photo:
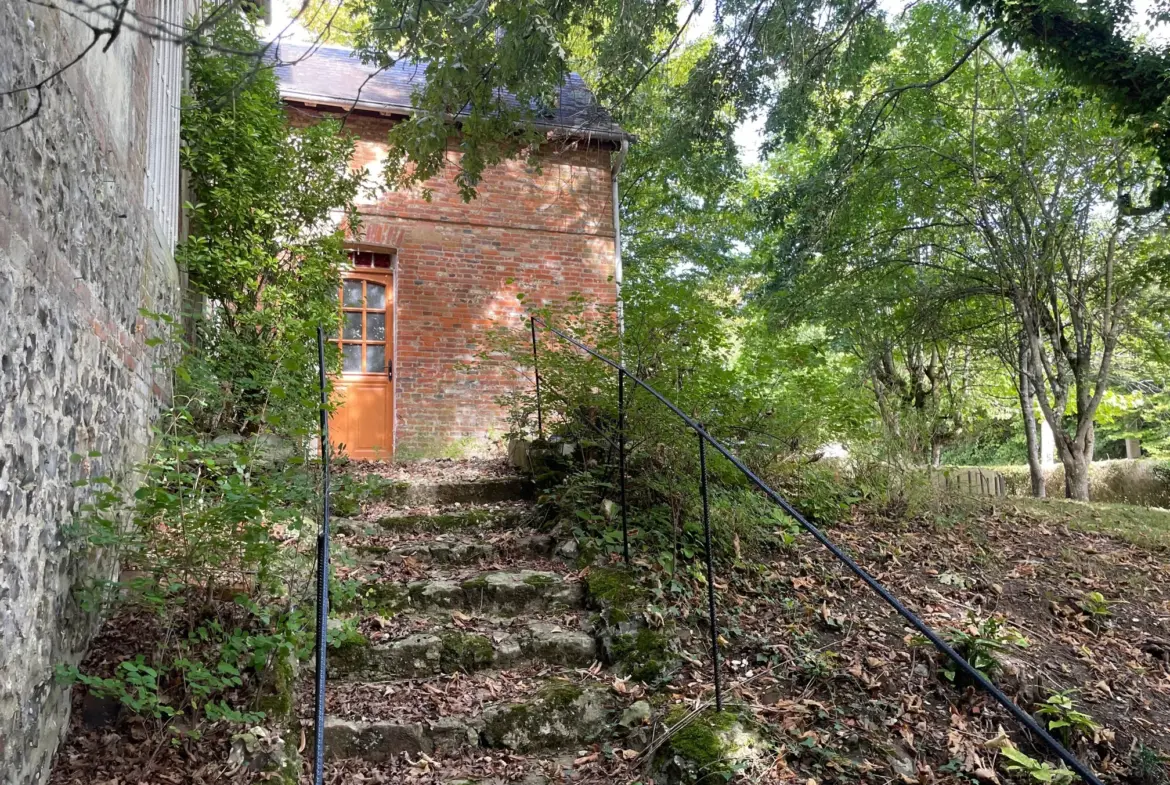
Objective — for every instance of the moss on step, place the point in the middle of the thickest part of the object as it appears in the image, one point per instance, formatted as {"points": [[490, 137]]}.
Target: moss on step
{"points": [[393, 491], [442, 522], [478, 583], [465, 652], [279, 690], [372, 550], [539, 580], [560, 693], [561, 714], [644, 655], [615, 592], [384, 598], [349, 649], [377, 596], [708, 749]]}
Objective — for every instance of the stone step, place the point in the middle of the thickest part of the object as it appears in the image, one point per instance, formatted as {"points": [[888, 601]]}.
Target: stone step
{"points": [[561, 715], [454, 551], [507, 592], [458, 519], [451, 650], [504, 592], [484, 491]]}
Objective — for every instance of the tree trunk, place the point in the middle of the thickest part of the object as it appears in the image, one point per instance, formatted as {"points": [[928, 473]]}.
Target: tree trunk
{"points": [[936, 454], [1076, 470], [1035, 466], [1076, 473]]}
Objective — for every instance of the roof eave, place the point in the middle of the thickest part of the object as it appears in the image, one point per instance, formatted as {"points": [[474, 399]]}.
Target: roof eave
{"points": [[399, 110]]}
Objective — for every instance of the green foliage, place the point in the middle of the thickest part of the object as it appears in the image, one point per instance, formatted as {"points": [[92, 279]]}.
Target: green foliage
{"points": [[1089, 44], [215, 541], [263, 250], [349, 492], [208, 551], [1060, 715], [979, 643], [704, 748], [472, 53], [1147, 766], [897, 223], [1037, 771], [347, 635], [1095, 606], [645, 655], [991, 443]]}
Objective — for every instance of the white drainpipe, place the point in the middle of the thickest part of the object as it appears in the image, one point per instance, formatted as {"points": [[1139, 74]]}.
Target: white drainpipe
{"points": [[617, 233]]}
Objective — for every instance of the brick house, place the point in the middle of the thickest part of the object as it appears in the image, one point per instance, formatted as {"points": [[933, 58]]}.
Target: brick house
{"points": [[428, 278]]}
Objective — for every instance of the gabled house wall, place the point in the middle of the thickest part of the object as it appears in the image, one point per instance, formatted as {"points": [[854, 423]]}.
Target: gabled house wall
{"points": [[545, 231]]}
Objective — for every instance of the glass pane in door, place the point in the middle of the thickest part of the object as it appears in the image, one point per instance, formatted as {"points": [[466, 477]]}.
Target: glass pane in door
{"points": [[375, 326], [375, 296], [353, 326], [351, 358], [351, 294], [376, 358]]}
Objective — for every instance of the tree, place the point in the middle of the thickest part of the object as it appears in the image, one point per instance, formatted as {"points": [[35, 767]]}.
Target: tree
{"points": [[998, 187], [265, 250]]}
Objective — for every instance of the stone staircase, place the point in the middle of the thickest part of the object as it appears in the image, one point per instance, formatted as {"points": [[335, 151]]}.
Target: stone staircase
{"points": [[456, 629]]}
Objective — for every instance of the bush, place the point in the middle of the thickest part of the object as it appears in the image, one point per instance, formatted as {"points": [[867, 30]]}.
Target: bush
{"points": [[211, 549], [215, 543], [576, 460]]}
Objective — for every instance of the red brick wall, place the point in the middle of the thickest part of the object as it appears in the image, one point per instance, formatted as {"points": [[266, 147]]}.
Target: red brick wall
{"points": [[547, 234]]}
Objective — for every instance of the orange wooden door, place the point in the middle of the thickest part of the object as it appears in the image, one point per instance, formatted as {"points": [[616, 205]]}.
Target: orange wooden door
{"points": [[363, 422]]}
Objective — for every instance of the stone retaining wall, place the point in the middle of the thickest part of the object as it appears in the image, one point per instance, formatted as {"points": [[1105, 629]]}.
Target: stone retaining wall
{"points": [[79, 257]]}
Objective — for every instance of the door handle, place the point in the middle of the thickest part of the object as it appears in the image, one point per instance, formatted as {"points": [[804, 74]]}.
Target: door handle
{"points": [[389, 369]]}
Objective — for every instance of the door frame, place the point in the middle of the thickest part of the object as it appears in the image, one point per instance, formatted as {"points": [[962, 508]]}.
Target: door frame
{"points": [[388, 277]]}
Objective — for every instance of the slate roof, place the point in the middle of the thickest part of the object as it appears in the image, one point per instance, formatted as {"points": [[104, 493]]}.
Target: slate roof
{"points": [[335, 75]]}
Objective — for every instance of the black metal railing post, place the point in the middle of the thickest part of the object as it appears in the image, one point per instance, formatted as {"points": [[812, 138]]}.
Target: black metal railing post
{"points": [[536, 374], [710, 571], [622, 461], [322, 577]]}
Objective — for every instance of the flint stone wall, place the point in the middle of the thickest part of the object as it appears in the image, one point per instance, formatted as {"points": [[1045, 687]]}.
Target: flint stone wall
{"points": [[79, 257]]}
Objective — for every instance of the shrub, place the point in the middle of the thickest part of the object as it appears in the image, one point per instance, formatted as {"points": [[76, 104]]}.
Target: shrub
{"points": [[980, 643], [215, 542], [1060, 715]]}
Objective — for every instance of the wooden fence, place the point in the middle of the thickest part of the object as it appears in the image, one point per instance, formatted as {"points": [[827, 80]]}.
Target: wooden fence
{"points": [[970, 481]]}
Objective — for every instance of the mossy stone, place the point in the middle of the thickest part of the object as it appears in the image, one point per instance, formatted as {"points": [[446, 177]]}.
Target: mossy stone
{"points": [[465, 652], [560, 693], [478, 583], [392, 491], [279, 687], [371, 595], [615, 592], [350, 653], [644, 655], [539, 581], [561, 714], [383, 597], [440, 523], [708, 749]]}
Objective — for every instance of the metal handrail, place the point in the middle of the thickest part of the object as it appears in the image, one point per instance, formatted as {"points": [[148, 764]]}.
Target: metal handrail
{"points": [[705, 438], [322, 632]]}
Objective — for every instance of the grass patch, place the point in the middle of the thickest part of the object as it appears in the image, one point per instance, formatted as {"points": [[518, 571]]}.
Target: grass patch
{"points": [[1145, 527]]}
